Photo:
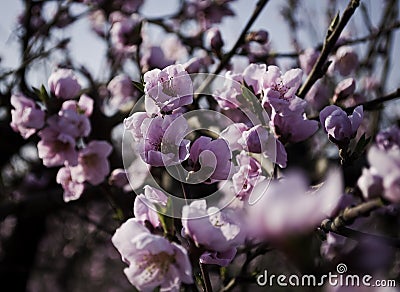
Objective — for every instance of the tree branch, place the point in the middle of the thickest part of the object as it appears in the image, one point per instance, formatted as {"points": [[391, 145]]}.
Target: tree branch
{"points": [[206, 277], [338, 225], [371, 105], [225, 60], [227, 57], [332, 36]]}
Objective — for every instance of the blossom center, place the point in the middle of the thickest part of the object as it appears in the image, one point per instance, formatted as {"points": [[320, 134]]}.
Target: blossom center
{"points": [[90, 160], [156, 265], [168, 87], [281, 88]]}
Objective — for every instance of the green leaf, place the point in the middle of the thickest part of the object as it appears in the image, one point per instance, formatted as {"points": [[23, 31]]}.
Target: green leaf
{"points": [[139, 86], [249, 97], [361, 146], [118, 215], [167, 222], [251, 106], [223, 271], [42, 94]]}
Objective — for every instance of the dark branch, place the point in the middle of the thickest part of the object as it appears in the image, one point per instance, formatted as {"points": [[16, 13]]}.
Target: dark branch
{"points": [[332, 36]]}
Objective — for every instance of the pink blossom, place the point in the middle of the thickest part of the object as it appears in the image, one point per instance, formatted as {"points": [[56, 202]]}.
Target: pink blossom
{"points": [[64, 84], [145, 205], [278, 86], [125, 32], [122, 93], [212, 155], [56, 148], [336, 245], [134, 125], [289, 121], [255, 139], [129, 6], [170, 88], [233, 135], [338, 125], [345, 60], [236, 115], [71, 121], [258, 52], [26, 116], [227, 95], [174, 49], [161, 140], [292, 127], [281, 154], [354, 100], [370, 183], [260, 36], [247, 176], [83, 106], [318, 96], [154, 57], [386, 164], [137, 173], [344, 88], [153, 260], [218, 231], [253, 75], [72, 189], [307, 59], [369, 83], [93, 165], [118, 178], [388, 138], [214, 39], [160, 56], [97, 21], [287, 207], [207, 12], [197, 64]]}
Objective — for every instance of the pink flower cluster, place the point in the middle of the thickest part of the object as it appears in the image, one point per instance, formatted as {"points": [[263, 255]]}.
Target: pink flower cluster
{"points": [[153, 260], [27, 117], [160, 131], [277, 91], [62, 135], [234, 159], [284, 208], [382, 178]]}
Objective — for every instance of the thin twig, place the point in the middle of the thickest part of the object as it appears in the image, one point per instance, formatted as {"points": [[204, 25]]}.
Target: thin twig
{"points": [[373, 46], [359, 235], [350, 214], [206, 277], [338, 225], [227, 57], [332, 36], [371, 105], [347, 42], [232, 283], [225, 60]]}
